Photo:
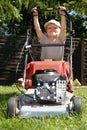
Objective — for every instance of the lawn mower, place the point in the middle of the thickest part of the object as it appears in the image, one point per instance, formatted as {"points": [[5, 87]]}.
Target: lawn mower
{"points": [[48, 86]]}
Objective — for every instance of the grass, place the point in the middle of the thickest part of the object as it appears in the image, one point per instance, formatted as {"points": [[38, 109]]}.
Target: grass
{"points": [[72, 122]]}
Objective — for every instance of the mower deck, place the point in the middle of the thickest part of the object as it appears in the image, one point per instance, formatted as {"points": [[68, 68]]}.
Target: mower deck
{"points": [[39, 110], [43, 110]]}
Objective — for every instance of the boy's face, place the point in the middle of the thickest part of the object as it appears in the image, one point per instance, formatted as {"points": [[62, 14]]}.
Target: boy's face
{"points": [[52, 30]]}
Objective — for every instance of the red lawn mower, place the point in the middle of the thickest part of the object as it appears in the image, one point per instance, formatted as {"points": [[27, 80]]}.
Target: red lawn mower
{"points": [[48, 86]]}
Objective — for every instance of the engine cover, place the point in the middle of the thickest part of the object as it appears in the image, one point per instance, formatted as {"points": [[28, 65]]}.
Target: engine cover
{"points": [[44, 76], [49, 88]]}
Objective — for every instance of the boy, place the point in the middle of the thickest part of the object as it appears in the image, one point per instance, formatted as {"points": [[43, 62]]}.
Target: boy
{"points": [[54, 33]]}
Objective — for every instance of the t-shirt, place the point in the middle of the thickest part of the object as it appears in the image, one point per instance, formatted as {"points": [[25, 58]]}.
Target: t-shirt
{"points": [[51, 52]]}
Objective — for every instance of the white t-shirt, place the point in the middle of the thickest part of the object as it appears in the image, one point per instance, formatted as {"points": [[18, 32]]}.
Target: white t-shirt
{"points": [[51, 52]]}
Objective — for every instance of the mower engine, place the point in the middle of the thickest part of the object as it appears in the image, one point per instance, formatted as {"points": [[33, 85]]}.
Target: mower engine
{"points": [[49, 87]]}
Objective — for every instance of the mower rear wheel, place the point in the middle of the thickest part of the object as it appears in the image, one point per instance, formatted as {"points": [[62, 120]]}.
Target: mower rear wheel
{"points": [[12, 106], [77, 105]]}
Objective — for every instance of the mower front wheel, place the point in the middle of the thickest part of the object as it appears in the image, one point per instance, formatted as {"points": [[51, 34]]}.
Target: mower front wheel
{"points": [[77, 105], [12, 106]]}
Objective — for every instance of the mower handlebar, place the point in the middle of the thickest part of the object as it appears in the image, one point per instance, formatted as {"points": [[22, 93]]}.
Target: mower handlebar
{"points": [[47, 9], [43, 45], [50, 9]]}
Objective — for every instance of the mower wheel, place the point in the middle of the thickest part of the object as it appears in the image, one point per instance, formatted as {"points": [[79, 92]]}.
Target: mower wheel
{"points": [[12, 106], [77, 105]]}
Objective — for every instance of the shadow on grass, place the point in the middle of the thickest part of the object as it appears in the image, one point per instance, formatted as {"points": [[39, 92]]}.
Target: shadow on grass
{"points": [[5, 97]]}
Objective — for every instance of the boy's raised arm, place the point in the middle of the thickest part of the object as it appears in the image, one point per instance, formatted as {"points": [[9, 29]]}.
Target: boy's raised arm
{"points": [[36, 23], [63, 22]]}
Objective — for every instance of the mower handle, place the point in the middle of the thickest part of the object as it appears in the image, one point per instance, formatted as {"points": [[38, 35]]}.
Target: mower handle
{"points": [[50, 9], [43, 45], [47, 9]]}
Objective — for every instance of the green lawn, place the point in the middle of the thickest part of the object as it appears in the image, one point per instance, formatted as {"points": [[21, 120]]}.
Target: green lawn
{"points": [[72, 122]]}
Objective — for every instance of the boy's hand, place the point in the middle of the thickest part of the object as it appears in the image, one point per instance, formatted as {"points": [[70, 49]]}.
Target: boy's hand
{"points": [[34, 11], [62, 10]]}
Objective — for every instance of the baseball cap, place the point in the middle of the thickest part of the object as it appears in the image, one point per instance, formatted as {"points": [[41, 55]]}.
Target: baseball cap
{"points": [[53, 21]]}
